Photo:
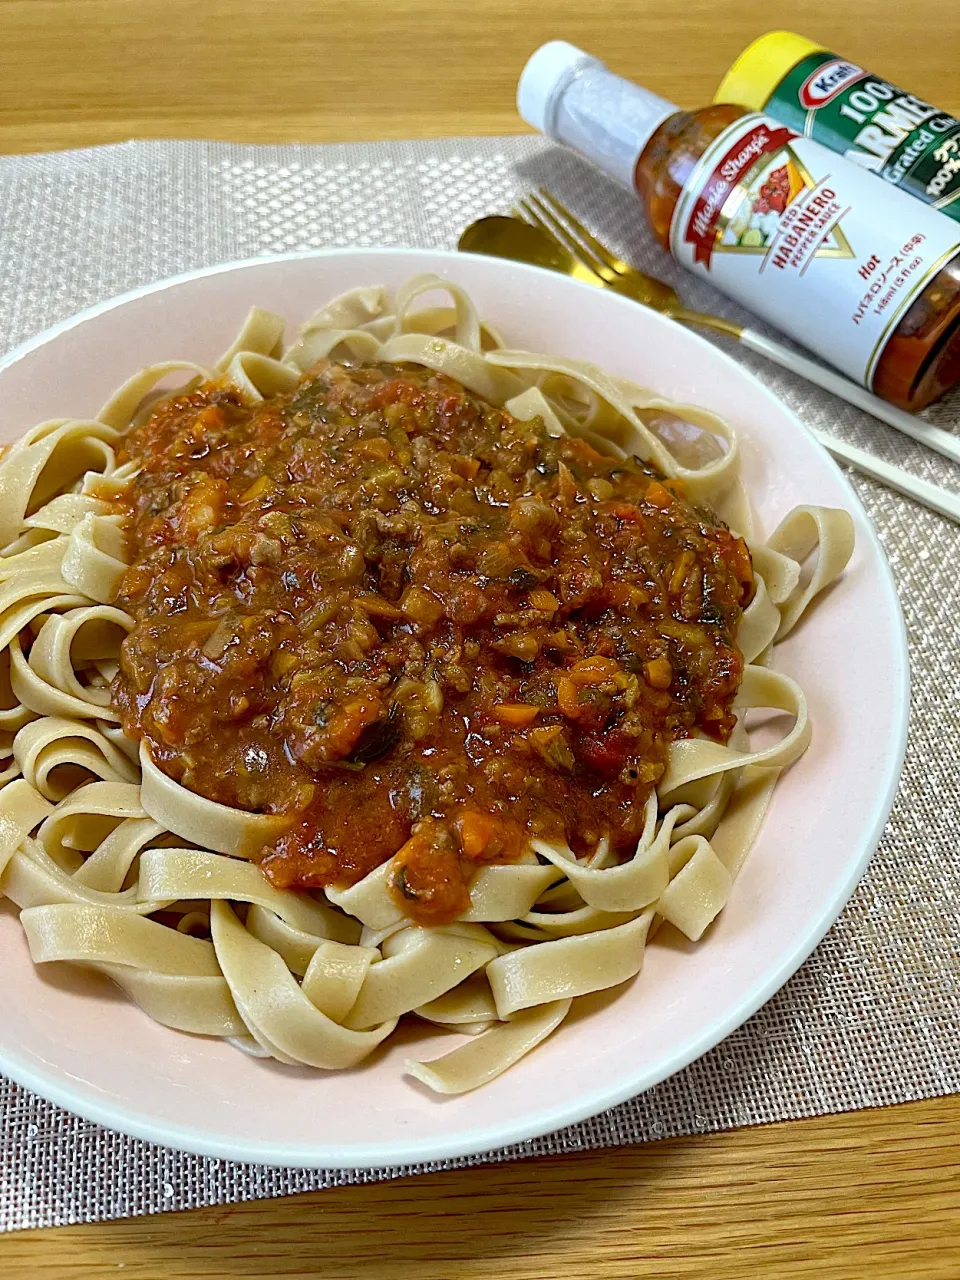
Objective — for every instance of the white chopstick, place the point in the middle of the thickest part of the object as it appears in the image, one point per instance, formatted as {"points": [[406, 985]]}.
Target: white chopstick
{"points": [[944, 442], [929, 495]]}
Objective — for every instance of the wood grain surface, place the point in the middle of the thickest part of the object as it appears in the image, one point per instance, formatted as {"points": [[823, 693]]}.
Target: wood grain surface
{"points": [[874, 1193], [81, 72]]}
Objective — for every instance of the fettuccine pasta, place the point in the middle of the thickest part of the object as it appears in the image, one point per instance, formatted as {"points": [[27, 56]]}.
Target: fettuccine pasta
{"points": [[116, 864]]}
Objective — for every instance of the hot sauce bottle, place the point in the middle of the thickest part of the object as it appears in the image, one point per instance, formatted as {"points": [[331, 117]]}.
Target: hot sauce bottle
{"points": [[862, 274]]}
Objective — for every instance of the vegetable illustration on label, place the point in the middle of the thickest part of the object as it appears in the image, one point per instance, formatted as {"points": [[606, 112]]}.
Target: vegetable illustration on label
{"points": [[763, 200]]}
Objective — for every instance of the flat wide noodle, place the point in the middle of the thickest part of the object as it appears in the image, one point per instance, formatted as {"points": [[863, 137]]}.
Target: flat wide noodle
{"points": [[481, 1060], [568, 967], [118, 867], [202, 821]]}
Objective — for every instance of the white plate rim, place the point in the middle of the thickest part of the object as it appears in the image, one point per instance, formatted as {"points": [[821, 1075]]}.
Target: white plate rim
{"points": [[534, 1125]]}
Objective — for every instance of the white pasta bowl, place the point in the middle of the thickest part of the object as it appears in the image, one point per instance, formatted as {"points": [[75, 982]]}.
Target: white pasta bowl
{"points": [[74, 1038]]}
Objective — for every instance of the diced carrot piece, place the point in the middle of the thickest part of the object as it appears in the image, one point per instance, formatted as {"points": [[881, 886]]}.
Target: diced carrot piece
{"points": [[349, 721], [514, 713], [657, 495], [623, 594], [209, 418], [594, 670], [544, 600], [658, 673], [580, 448], [627, 512], [477, 829], [567, 698]]}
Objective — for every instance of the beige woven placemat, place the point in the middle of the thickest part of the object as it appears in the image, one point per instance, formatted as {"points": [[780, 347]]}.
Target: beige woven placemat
{"points": [[873, 1018]]}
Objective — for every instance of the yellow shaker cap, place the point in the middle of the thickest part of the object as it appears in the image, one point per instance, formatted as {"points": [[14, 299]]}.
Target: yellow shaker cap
{"points": [[760, 68]]}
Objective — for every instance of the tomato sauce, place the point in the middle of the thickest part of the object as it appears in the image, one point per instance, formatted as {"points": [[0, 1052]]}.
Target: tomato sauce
{"points": [[382, 607]]}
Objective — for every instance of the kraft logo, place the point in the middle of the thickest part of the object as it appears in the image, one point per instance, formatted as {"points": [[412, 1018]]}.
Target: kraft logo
{"points": [[823, 85]]}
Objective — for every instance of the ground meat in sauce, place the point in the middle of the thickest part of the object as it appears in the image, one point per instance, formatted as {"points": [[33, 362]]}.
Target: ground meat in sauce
{"points": [[383, 607]]}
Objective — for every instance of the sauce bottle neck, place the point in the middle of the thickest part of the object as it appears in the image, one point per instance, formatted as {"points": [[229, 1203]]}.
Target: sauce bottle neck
{"points": [[575, 99]]}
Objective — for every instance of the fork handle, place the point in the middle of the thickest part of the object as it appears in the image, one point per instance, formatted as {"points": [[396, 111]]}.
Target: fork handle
{"points": [[933, 437]]}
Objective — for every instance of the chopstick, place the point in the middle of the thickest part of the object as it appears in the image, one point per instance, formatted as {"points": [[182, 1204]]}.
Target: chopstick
{"points": [[943, 442], [929, 495]]}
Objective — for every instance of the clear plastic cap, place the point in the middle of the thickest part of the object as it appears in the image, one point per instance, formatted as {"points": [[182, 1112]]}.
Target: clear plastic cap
{"points": [[575, 99], [544, 76]]}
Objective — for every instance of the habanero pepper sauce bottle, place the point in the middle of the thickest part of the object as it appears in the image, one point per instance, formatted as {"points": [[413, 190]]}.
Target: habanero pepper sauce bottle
{"points": [[862, 274]]}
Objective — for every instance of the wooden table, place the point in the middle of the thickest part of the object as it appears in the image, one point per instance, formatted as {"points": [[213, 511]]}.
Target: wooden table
{"points": [[871, 1193]]}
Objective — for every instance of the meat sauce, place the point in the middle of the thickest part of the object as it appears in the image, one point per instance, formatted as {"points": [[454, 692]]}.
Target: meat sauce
{"points": [[385, 609]]}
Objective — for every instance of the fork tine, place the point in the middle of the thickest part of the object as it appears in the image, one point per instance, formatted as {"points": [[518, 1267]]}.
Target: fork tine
{"points": [[550, 201], [527, 210], [527, 213], [539, 212]]}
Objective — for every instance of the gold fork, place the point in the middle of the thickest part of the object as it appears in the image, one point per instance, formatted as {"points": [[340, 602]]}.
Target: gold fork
{"points": [[552, 217], [546, 212]]}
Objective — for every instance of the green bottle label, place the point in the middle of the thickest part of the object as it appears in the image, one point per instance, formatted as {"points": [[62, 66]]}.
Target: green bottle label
{"points": [[890, 133]]}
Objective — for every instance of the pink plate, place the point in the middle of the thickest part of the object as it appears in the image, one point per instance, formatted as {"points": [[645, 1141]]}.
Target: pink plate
{"points": [[74, 1038]]}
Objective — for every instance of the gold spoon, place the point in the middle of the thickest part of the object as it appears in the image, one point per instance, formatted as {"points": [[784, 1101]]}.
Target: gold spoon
{"points": [[501, 237]]}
